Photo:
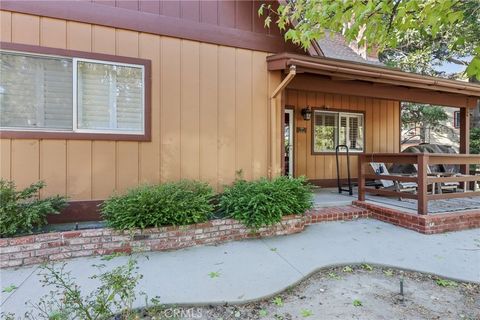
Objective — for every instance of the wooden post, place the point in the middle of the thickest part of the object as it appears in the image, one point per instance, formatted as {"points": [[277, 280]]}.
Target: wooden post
{"points": [[464, 136], [361, 177], [422, 161]]}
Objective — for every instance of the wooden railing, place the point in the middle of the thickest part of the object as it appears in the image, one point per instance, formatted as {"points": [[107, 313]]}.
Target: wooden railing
{"points": [[423, 179]]}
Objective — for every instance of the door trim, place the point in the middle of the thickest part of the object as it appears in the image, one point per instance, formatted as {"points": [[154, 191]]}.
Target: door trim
{"points": [[291, 156]]}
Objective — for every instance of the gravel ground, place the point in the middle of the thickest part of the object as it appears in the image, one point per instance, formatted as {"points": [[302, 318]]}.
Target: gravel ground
{"points": [[356, 292]]}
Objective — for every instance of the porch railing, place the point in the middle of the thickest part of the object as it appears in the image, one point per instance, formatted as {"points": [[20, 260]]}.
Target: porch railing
{"points": [[423, 179]]}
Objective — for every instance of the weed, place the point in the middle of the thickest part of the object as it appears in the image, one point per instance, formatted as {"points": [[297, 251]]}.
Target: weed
{"points": [[214, 274], [10, 288], [446, 283], [388, 272], [306, 313], [367, 267], [333, 275], [357, 303], [347, 269], [278, 301]]}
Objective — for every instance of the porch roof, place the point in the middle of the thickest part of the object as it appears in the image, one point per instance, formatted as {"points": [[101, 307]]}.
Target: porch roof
{"points": [[365, 77]]}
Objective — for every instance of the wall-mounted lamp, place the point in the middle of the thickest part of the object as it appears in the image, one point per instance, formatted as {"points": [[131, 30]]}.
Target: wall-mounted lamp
{"points": [[306, 113]]}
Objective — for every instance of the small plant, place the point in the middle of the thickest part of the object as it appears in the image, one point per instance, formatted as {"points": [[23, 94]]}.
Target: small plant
{"points": [[214, 274], [446, 283], [273, 249], [306, 313], [113, 298], [264, 202], [10, 288], [367, 267], [278, 301], [177, 203], [357, 303], [347, 269], [263, 313], [23, 211], [388, 273], [333, 275]]}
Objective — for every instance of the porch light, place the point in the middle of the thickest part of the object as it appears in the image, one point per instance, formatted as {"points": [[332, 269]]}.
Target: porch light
{"points": [[306, 113]]}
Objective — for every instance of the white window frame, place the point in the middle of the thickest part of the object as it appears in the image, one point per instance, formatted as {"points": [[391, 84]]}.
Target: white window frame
{"points": [[337, 129], [75, 97], [75, 128]]}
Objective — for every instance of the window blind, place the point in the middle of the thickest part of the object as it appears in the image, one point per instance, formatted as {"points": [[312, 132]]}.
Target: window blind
{"points": [[35, 92], [110, 97]]}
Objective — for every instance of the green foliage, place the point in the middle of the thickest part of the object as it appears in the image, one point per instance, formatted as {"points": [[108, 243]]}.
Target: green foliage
{"points": [[306, 313], [214, 274], [412, 31], [114, 295], [9, 289], [333, 275], [176, 203], [357, 303], [475, 140], [264, 202], [278, 301], [347, 269], [446, 283], [22, 211], [367, 267]]}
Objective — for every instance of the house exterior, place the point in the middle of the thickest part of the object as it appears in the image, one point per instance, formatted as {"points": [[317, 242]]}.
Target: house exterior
{"points": [[101, 96]]}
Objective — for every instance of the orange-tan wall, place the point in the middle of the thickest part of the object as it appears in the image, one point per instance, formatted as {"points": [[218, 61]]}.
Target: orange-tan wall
{"points": [[381, 131], [210, 115]]}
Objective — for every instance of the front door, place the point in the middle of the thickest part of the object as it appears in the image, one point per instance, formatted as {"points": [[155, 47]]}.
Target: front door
{"points": [[288, 147]]}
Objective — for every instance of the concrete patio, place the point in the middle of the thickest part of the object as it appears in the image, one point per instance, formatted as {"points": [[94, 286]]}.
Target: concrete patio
{"points": [[254, 269]]}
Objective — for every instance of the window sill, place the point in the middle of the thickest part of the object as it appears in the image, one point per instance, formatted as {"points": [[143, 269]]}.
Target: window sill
{"points": [[12, 134]]}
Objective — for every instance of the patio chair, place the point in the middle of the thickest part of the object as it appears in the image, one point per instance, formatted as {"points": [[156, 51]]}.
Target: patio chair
{"points": [[381, 169], [443, 186]]}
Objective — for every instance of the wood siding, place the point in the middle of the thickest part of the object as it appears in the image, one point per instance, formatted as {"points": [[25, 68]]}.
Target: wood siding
{"points": [[210, 114], [381, 131]]}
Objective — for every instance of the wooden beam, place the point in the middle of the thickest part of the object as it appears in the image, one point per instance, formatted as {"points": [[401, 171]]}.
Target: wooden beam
{"points": [[391, 92]]}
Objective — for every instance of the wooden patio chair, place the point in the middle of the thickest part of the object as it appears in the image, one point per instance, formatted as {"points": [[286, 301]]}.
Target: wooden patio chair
{"points": [[380, 168]]}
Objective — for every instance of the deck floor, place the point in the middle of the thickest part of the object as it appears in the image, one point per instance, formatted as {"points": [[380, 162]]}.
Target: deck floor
{"points": [[329, 197]]}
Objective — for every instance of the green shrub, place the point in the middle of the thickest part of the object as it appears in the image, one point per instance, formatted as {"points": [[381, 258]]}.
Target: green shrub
{"points": [[176, 203], [22, 211], [264, 202]]}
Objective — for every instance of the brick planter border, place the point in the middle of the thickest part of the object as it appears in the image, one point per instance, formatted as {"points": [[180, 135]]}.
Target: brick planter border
{"points": [[427, 224], [35, 249]]}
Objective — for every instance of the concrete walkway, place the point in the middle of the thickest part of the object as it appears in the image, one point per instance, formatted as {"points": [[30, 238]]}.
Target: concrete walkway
{"points": [[253, 269]]}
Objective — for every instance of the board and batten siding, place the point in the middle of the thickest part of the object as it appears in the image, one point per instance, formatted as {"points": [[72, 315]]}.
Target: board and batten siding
{"points": [[210, 115], [381, 131]]}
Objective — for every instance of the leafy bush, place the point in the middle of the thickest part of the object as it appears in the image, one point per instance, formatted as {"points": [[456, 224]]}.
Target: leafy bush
{"points": [[475, 140], [22, 211], [176, 203], [264, 202]]}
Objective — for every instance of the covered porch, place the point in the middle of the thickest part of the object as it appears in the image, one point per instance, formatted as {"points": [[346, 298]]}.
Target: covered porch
{"points": [[363, 101]]}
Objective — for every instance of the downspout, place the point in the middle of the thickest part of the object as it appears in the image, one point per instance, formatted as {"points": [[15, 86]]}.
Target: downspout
{"points": [[273, 119]]}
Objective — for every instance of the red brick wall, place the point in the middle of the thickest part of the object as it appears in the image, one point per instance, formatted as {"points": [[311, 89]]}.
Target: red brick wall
{"points": [[428, 224], [54, 246], [71, 244]]}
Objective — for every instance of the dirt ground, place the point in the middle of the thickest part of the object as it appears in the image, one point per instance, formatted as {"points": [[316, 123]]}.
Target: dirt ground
{"points": [[354, 292]]}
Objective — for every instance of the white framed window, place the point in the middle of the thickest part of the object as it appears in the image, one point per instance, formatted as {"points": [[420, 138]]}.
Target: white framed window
{"points": [[69, 94], [337, 128]]}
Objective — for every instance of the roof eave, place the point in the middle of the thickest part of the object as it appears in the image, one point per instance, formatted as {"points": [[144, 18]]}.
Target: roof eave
{"points": [[367, 72]]}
